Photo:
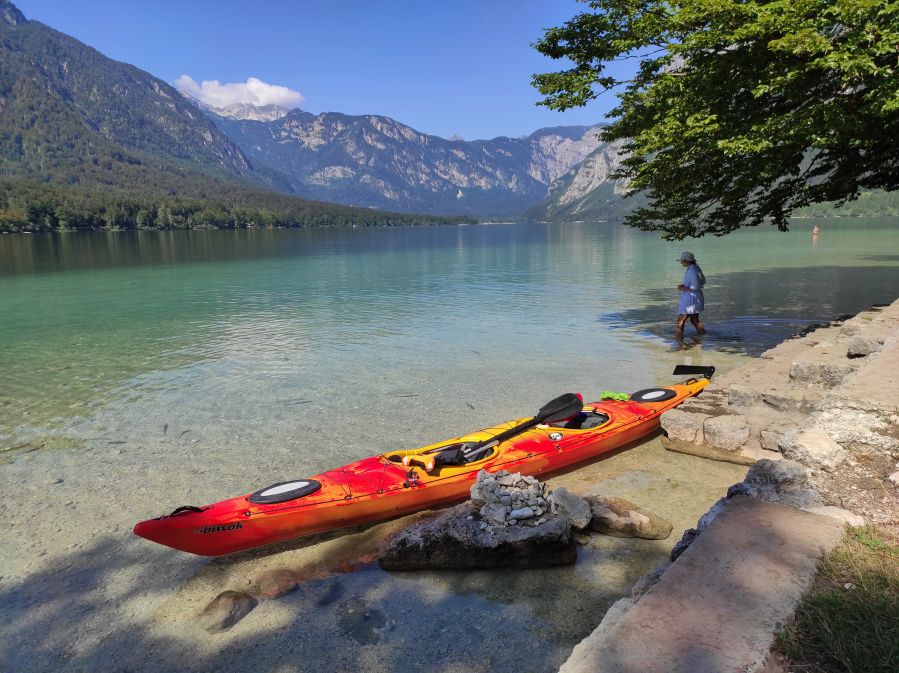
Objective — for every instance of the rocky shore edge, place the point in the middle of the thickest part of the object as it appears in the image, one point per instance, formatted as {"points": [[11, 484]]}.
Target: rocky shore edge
{"points": [[828, 399], [817, 420]]}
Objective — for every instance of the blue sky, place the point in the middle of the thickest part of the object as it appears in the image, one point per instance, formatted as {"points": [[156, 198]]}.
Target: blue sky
{"points": [[460, 67]]}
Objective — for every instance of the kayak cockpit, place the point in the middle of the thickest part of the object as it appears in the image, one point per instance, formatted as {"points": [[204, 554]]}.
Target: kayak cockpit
{"points": [[587, 419]]}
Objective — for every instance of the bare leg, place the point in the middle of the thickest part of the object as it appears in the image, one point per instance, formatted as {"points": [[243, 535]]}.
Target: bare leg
{"points": [[679, 330], [694, 319]]}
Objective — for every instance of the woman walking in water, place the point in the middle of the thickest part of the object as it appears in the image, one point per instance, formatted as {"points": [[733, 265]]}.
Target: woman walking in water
{"points": [[692, 303]]}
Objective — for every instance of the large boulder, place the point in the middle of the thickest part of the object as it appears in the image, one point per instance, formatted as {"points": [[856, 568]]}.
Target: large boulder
{"points": [[779, 475], [860, 347], [459, 539], [823, 374], [573, 507], [621, 518], [780, 481], [813, 447], [684, 426], [728, 432]]}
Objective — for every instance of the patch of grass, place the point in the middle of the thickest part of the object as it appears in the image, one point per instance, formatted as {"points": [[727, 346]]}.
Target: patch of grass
{"points": [[848, 622]]}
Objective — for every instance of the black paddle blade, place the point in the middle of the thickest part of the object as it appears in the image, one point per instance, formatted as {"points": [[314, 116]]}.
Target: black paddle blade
{"points": [[688, 370], [560, 408]]}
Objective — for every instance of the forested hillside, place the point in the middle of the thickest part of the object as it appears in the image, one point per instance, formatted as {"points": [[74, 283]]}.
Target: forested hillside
{"points": [[87, 142], [36, 206]]}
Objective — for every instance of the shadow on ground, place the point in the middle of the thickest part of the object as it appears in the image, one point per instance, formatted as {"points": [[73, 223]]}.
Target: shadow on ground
{"points": [[366, 620]]}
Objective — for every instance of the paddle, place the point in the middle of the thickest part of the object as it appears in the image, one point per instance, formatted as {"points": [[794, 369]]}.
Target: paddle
{"points": [[685, 370], [558, 409]]}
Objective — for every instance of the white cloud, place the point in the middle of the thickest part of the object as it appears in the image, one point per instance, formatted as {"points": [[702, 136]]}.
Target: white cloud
{"points": [[254, 91]]}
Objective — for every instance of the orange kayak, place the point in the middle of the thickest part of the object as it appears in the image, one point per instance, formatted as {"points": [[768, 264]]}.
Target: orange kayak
{"points": [[401, 482]]}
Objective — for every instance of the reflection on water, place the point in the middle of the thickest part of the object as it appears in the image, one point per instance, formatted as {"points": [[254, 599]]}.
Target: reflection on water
{"points": [[219, 327], [193, 366]]}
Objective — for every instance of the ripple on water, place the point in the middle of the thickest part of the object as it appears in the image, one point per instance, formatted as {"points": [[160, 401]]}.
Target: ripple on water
{"points": [[261, 356]]}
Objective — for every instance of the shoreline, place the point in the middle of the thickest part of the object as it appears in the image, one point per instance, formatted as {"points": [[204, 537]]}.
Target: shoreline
{"points": [[98, 595], [807, 470], [464, 221]]}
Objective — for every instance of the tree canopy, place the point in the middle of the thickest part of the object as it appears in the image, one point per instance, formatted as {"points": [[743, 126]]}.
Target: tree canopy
{"points": [[740, 111]]}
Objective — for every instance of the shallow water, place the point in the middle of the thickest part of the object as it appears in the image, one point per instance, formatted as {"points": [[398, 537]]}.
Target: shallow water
{"points": [[142, 371], [246, 337]]}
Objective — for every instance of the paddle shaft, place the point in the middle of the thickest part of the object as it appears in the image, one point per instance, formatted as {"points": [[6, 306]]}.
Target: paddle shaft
{"points": [[562, 407]]}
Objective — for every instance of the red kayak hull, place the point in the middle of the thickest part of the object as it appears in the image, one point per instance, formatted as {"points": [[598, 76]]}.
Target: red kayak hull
{"points": [[380, 487]]}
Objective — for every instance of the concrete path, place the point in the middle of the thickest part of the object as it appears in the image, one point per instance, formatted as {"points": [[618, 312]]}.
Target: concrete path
{"points": [[717, 608]]}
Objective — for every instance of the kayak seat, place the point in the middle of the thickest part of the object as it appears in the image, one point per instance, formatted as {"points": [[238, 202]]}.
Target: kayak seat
{"points": [[582, 421], [457, 456]]}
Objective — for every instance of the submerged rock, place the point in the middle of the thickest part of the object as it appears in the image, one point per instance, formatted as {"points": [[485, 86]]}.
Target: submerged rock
{"points": [[274, 583], [621, 518], [225, 610]]}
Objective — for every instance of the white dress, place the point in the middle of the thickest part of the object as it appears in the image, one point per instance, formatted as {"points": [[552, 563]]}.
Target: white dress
{"points": [[691, 299]]}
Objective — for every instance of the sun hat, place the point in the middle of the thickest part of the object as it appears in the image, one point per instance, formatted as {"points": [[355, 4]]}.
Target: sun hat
{"points": [[686, 257]]}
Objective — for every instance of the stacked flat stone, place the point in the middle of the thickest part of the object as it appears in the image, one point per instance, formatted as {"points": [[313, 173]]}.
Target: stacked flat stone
{"points": [[509, 499]]}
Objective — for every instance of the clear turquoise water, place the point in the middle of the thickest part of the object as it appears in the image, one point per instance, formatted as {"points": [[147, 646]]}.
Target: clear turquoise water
{"points": [[250, 336], [142, 371]]}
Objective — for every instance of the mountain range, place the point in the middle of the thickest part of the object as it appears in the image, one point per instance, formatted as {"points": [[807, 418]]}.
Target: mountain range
{"points": [[87, 142], [378, 162], [63, 105], [73, 121]]}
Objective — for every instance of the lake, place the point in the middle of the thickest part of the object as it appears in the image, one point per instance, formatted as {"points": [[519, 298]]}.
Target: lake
{"points": [[141, 371], [406, 334]]}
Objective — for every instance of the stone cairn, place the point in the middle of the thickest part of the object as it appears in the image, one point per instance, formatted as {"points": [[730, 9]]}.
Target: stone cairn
{"points": [[510, 500], [506, 500]]}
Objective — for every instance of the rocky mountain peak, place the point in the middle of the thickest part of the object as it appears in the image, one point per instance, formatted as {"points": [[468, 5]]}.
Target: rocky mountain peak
{"points": [[379, 162], [10, 14], [259, 113]]}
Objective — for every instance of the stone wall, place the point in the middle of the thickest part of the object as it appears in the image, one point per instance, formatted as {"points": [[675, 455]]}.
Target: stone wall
{"points": [[828, 399]]}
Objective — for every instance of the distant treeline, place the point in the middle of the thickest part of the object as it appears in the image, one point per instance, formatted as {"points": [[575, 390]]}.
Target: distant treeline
{"points": [[34, 206], [868, 204]]}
